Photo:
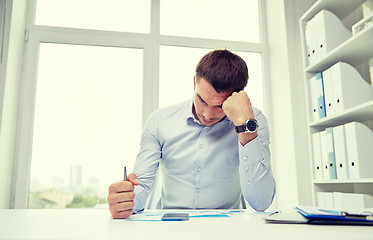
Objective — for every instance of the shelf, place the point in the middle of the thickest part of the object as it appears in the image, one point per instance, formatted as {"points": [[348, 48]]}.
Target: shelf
{"points": [[338, 7], [361, 113], [343, 181], [353, 51]]}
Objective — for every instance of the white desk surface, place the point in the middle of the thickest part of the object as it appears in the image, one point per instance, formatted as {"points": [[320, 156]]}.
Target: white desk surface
{"points": [[98, 224]]}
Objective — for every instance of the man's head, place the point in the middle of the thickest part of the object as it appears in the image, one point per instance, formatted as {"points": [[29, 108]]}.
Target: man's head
{"points": [[225, 71], [218, 74]]}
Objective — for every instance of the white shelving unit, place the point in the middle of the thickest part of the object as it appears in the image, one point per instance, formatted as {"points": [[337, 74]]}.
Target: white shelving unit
{"points": [[354, 51]]}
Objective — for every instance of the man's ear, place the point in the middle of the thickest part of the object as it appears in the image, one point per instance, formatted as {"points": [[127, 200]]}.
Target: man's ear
{"points": [[194, 80]]}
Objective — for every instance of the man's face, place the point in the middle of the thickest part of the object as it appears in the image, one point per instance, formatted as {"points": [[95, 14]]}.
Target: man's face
{"points": [[208, 103]]}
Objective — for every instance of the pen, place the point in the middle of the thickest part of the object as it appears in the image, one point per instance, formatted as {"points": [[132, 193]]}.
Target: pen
{"points": [[367, 216], [125, 174]]}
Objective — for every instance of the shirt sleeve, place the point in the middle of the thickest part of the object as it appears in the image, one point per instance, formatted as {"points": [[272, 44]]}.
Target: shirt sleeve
{"points": [[257, 183], [147, 162]]}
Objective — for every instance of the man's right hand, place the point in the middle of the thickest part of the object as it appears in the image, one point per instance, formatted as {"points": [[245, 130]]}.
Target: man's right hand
{"points": [[121, 197]]}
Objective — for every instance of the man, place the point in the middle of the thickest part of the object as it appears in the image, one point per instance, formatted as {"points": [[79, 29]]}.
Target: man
{"points": [[210, 150]]}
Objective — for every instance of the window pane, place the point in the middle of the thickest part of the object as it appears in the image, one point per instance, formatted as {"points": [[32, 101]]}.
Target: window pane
{"points": [[112, 15], [176, 80], [254, 87], [87, 123], [214, 19]]}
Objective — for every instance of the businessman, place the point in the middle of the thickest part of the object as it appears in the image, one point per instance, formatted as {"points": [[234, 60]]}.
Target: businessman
{"points": [[210, 150]]}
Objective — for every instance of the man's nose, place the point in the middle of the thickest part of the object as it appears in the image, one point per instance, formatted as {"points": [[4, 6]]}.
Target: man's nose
{"points": [[209, 113]]}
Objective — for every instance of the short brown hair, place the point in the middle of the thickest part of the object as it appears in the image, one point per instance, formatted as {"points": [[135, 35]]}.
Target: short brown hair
{"points": [[224, 70]]}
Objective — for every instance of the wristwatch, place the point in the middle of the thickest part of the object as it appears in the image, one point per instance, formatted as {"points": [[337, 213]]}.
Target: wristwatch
{"points": [[249, 126]]}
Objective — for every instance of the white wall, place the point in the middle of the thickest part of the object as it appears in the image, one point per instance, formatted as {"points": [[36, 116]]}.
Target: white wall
{"points": [[10, 104], [289, 142]]}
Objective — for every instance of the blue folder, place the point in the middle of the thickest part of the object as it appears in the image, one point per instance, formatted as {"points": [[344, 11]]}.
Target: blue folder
{"points": [[315, 215], [329, 216], [320, 95]]}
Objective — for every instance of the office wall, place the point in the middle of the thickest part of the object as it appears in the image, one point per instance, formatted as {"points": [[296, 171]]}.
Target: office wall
{"points": [[10, 103], [288, 117]]}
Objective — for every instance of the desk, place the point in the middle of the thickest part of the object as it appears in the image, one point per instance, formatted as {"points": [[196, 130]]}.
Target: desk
{"points": [[98, 224]]}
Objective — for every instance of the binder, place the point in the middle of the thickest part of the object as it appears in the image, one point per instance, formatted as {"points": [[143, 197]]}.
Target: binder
{"points": [[359, 141], [340, 146], [349, 88], [320, 199], [317, 162], [307, 33], [362, 201], [324, 156], [352, 200], [338, 200], [311, 42], [320, 95], [328, 92], [328, 200], [330, 32], [331, 155], [348, 200], [313, 99]]}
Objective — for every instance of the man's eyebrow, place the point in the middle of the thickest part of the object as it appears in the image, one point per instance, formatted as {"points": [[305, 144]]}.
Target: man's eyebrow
{"points": [[200, 98]]}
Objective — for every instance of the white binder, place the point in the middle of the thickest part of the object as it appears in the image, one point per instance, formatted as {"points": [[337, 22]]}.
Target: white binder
{"points": [[348, 200], [340, 151], [324, 156], [349, 88], [313, 97], [329, 199], [331, 153], [362, 201], [320, 199], [330, 32], [307, 33], [338, 200], [359, 141], [311, 42], [317, 162]]}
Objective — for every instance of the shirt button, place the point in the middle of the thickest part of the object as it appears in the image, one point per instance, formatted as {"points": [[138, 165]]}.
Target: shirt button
{"points": [[198, 190], [201, 146], [199, 169], [248, 183], [247, 168], [245, 158]]}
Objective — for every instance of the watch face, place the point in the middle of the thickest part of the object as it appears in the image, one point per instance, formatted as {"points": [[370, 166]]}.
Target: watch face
{"points": [[251, 125]]}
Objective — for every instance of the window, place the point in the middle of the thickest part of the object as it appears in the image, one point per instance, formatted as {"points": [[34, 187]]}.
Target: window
{"points": [[94, 72], [87, 98], [235, 20], [111, 15]]}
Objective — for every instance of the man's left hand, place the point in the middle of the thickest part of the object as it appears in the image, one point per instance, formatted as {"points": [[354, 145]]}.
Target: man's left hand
{"points": [[238, 108]]}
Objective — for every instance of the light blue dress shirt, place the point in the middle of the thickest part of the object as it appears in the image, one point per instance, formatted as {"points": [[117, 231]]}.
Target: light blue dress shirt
{"points": [[202, 167]]}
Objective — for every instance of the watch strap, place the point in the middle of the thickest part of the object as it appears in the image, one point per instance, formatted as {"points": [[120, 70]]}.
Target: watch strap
{"points": [[241, 128]]}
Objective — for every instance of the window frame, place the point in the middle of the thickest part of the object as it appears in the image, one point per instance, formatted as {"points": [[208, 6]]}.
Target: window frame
{"points": [[150, 43]]}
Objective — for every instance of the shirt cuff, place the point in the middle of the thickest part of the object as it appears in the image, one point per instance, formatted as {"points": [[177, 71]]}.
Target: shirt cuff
{"points": [[251, 153]]}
